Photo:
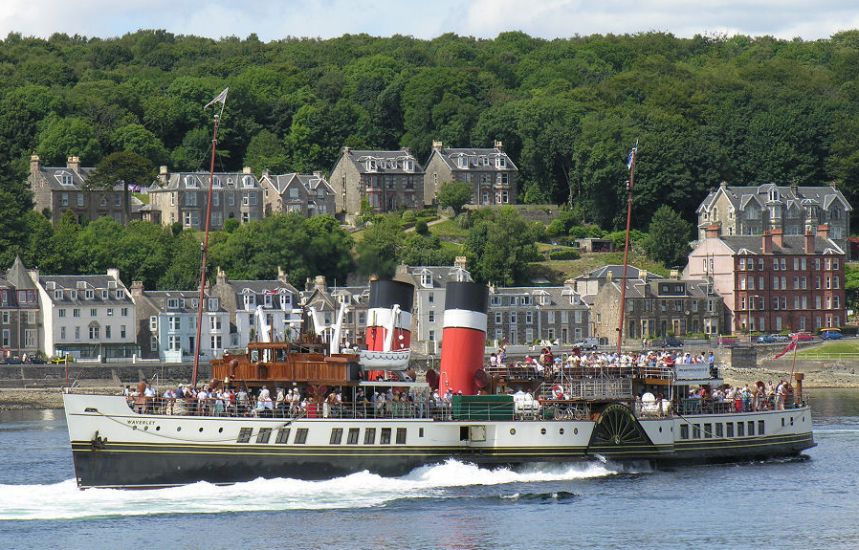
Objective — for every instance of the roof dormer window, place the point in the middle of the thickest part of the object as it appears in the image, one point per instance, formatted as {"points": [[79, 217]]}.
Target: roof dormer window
{"points": [[392, 164], [462, 162], [500, 162], [247, 181], [773, 194], [173, 303], [426, 279], [409, 165], [370, 165], [73, 294], [216, 182], [65, 178], [89, 294], [58, 295], [191, 182], [104, 295], [119, 295]]}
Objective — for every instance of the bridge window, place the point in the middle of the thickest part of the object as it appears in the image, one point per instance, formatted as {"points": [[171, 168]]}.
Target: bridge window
{"points": [[729, 429], [708, 431], [352, 439], [301, 436], [336, 436], [751, 427], [684, 431], [401, 436], [741, 429], [282, 436], [696, 431], [720, 430], [386, 436], [370, 436]]}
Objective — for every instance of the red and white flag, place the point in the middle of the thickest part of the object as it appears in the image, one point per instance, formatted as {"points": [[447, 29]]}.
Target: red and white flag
{"points": [[789, 348]]}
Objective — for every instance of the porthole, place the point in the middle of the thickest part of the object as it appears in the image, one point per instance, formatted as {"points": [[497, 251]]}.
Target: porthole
{"points": [[178, 428], [220, 430], [575, 431], [803, 419], [660, 429], [145, 428], [201, 430], [543, 431], [157, 428], [134, 427], [561, 431], [512, 431]]}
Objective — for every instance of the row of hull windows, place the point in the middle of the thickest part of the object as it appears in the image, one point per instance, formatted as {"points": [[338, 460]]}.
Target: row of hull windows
{"points": [[722, 430], [353, 436]]}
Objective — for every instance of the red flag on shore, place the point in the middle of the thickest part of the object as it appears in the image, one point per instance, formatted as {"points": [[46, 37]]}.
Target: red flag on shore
{"points": [[789, 348]]}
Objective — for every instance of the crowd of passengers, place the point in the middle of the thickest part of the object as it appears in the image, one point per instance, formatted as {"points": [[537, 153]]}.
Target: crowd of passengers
{"points": [[757, 397], [216, 400], [547, 365]]}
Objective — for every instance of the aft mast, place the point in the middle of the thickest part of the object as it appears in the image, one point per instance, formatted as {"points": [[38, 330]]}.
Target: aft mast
{"points": [[630, 164], [222, 99]]}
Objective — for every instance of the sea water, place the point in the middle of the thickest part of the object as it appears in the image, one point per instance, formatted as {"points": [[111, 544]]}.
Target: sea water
{"points": [[811, 502]]}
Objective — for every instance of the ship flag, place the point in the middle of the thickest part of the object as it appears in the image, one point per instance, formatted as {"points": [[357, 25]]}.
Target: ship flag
{"points": [[221, 98]]}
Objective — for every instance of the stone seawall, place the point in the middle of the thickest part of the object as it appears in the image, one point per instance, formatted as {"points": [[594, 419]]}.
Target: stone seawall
{"points": [[30, 376]]}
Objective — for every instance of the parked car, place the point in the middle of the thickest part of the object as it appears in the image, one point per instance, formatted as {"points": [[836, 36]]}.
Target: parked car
{"points": [[672, 342], [587, 343], [802, 336], [831, 335], [58, 360], [764, 339], [780, 338]]}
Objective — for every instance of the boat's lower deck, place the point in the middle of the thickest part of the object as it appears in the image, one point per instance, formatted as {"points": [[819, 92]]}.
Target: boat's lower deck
{"points": [[113, 446]]}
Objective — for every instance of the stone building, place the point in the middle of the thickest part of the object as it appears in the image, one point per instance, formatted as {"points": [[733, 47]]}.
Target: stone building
{"points": [[167, 324], [774, 282], [752, 210], [530, 315], [58, 189], [87, 316], [305, 194], [492, 175], [278, 319], [656, 308], [325, 301], [20, 318], [182, 197], [387, 180]]}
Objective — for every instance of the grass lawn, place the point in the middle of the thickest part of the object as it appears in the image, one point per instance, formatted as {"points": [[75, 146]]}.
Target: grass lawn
{"points": [[449, 230], [558, 271], [142, 197], [833, 348]]}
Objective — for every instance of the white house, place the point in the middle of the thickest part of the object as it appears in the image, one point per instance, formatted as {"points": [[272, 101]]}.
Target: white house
{"points": [[87, 316]]}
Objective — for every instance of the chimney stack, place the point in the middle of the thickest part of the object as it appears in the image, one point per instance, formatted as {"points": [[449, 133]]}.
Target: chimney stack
{"points": [[437, 144], [281, 275], [499, 145], [767, 246], [136, 289], [247, 170], [713, 231], [35, 164], [163, 174], [823, 231], [778, 237], [220, 276], [460, 262], [73, 163], [113, 273], [317, 174], [320, 284], [809, 242]]}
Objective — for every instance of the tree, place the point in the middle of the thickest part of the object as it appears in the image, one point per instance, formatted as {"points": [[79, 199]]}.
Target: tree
{"points": [[379, 249], [122, 167], [668, 237], [63, 137], [500, 246], [266, 152], [454, 195], [137, 139]]}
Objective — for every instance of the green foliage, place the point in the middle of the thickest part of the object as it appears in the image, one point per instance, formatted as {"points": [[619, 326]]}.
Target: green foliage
{"points": [[409, 216], [123, 166], [422, 249], [668, 237], [135, 138], [499, 246], [266, 152], [586, 231], [421, 228], [454, 195], [72, 136], [379, 250], [564, 254], [851, 284]]}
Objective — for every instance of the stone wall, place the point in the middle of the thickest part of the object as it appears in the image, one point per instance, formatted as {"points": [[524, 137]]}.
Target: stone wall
{"points": [[13, 376]]}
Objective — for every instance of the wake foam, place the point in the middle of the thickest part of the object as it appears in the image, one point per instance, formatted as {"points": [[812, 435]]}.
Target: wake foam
{"points": [[63, 501]]}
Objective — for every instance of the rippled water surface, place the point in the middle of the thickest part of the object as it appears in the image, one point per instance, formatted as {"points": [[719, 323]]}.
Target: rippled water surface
{"points": [[806, 503]]}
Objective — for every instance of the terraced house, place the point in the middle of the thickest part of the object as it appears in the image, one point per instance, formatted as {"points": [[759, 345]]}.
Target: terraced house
{"points": [[774, 282], [529, 315], [386, 180], [491, 174], [305, 194], [752, 210], [182, 197], [86, 316], [60, 189], [20, 319]]}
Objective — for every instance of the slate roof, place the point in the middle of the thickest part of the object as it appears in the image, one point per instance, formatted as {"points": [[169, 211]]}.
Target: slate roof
{"points": [[476, 156], [310, 182], [179, 181], [62, 178], [440, 276], [793, 244], [789, 197], [636, 288], [558, 295], [387, 162], [159, 300], [18, 277], [97, 283]]}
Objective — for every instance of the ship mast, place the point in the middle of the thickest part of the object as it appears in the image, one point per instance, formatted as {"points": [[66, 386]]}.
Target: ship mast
{"points": [[204, 249], [630, 164]]}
